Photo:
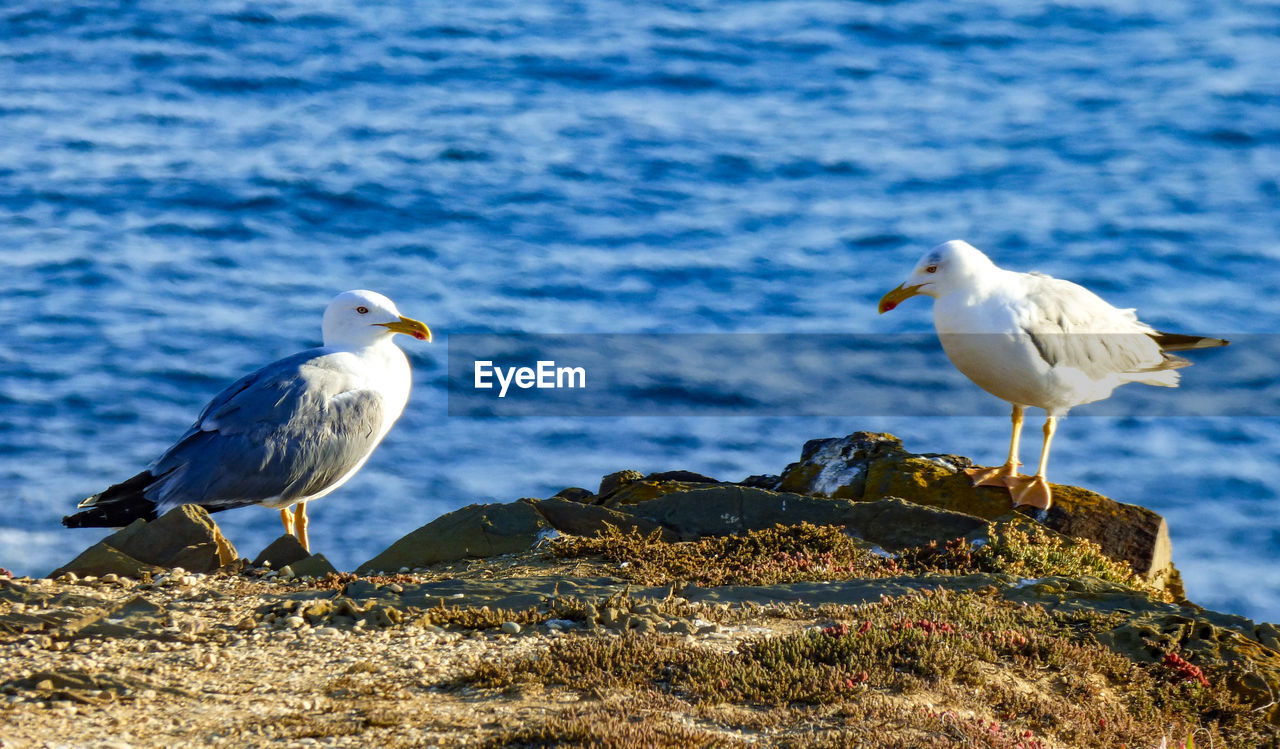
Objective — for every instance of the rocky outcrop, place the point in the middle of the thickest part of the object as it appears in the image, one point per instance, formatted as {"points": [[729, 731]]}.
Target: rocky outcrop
{"points": [[183, 537], [869, 466], [865, 481], [860, 549], [473, 531]]}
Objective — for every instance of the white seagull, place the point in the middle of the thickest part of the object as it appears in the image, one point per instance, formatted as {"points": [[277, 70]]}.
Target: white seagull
{"points": [[1035, 340], [286, 434]]}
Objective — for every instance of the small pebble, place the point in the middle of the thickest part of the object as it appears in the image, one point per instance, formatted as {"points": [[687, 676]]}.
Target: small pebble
{"points": [[110, 577], [294, 622], [511, 628]]}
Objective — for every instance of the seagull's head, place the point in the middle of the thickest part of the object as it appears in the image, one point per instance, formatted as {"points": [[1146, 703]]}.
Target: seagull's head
{"points": [[359, 318], [946, 268]]}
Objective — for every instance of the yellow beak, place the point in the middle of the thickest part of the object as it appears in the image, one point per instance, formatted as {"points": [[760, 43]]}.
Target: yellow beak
{"points": [[897, 296], [408, 326]]}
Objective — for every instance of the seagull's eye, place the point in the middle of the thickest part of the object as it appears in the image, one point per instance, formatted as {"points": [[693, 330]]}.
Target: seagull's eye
{"points": [[931, 269], [362, 310]]}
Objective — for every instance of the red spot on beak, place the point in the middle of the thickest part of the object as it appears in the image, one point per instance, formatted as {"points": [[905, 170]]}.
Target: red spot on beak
{"points": [[419, 335], [889, 305]]}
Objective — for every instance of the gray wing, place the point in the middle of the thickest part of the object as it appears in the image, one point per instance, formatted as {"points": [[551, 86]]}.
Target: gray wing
{"points": [[289, 430], [1070, 325]]}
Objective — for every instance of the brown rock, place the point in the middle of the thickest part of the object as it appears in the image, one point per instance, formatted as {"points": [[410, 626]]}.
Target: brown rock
{"points": [[580, 519], [689, 477], [895, 524], [182, 537], [136, 617], [575, 494], [102, 559], [314, 565], [616, 480], [722, 509], [473, 531], [286, 549]]}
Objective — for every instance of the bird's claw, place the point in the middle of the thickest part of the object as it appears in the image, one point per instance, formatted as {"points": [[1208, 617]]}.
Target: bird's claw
{"points": [[992, 476], [1029, 490]]}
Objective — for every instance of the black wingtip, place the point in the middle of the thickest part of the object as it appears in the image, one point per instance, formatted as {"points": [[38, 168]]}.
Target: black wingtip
{"points": [[116, 506], [1181, 342]]}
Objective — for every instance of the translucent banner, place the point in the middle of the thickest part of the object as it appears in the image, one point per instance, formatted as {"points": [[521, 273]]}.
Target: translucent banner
{"points": [[595, 375]]}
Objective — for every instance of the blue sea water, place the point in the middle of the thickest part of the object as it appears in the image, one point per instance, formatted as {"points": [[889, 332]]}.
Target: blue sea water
{"points": [[184, 186]]}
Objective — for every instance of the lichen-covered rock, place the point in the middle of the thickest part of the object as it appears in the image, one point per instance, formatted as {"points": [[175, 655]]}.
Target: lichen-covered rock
{"points": [[183, 537], [473, 531], [616, 480], [870, 466]]}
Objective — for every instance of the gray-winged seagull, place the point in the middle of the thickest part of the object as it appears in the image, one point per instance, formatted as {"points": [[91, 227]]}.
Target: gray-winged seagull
{"points": [[286, 434], [1034, 340]]}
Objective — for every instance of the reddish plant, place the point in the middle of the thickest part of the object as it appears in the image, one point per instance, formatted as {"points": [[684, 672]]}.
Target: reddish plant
{"points": [[1184, 670]]}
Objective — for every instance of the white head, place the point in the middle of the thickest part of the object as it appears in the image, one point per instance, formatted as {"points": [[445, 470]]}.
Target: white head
{"points": [[358, 318], [949, 267]]}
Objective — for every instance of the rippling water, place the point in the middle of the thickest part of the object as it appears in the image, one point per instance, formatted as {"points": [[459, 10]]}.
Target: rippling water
{"points": [[181, 192]]}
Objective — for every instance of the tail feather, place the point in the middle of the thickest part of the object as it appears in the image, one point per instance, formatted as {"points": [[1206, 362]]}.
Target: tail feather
{"points": [[116, 506], [1180, 342]]}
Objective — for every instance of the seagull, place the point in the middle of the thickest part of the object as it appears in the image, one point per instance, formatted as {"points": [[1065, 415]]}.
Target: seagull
{"points": [[1035, 340], [291, 432]]}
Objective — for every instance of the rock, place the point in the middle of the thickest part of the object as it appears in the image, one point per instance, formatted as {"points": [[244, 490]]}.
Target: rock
{"points": [[136, 617], [359, 589], [183, 537], [286, 549], [574, 494], [617, 480], [895, 524], [580, 519], [870, 466], [726, 508], [87, 688], [688, 477], [762, 481], [473, 531], [313, 566], [102, 559], [511, 628]]}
